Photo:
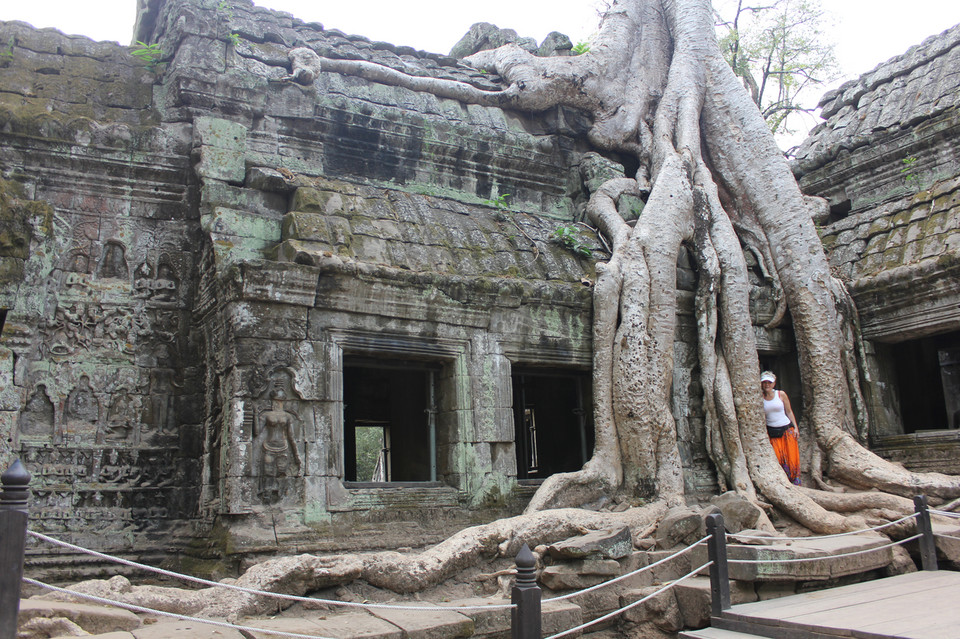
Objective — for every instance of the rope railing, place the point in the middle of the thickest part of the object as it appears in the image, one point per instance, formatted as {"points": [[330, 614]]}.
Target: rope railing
{"points": [[636, 603], [629, 574], [945, 513], [832, 536], [249, 591], [161, 613], [797, 560]]}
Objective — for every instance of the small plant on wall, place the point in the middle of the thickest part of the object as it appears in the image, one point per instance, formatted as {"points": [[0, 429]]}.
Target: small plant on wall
{"points": [[568, 236], [151, 54]]}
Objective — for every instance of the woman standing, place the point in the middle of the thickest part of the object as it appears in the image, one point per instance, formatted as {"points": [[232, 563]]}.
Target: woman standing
{"points": [[781, 426]]}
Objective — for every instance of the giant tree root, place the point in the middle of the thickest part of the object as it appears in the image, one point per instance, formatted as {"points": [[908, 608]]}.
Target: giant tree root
{"points": [[401, 573]]}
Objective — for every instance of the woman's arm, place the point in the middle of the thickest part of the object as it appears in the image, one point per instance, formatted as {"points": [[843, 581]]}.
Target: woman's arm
{"points": [[788, 410]]}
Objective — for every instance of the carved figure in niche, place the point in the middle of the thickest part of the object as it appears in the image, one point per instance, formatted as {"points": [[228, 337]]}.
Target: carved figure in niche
{"points": [[121, 418], [36, 419], [113, 264], [275, 444], [166, 283], [159, 416], [82, 404], [76, 266]]}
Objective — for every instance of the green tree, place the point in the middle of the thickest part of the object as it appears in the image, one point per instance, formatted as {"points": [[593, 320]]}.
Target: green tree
{"points": [[777, 50]]}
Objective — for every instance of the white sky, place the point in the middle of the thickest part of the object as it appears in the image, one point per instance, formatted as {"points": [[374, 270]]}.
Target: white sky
{"points": [[866, 32]]}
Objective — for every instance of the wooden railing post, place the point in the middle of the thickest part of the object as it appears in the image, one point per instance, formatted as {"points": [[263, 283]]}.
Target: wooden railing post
{"points": [[928, 545], [13, 541], [719, 576], [525, 621]]}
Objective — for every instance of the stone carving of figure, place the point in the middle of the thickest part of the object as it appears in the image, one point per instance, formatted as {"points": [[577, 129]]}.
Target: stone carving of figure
{"points": [[276, 446], [36, 420], [121, 418], [82, 405], [114, 263]]}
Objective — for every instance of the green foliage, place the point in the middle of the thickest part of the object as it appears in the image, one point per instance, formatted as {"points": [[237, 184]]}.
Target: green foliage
{"points": [[580, 48], [6, 53], [911, 178], [233, 38], [568, 236], [369, 442], [500, 202], [226, 9], [775, 47], [149, 53]]}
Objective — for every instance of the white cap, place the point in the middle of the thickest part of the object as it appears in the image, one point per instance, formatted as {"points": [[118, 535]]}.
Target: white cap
{"points": [[767, 376]]}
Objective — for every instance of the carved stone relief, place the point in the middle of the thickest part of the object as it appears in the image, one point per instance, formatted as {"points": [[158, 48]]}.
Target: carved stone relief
{"points": [[82, 406], [37, 418], [121, 417], [161, 284], [113, 262], [276, 428], [83, 326], [159, 416]]}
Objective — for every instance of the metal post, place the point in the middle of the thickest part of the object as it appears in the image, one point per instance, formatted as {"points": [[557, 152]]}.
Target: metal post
{"points": [[525, 622], [719, 577], [13, 533], [928, 546]]}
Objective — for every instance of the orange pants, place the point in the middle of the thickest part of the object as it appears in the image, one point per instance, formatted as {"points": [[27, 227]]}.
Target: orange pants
{"points": [[788, 454]]}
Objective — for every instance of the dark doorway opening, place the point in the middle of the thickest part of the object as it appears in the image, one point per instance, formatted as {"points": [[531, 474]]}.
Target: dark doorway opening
{"points": [[552, 421], [389, 421], [928, 380]]}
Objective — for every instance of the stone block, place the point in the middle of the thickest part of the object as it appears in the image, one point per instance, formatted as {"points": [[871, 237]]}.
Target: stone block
{"points": [[93, 619], [567, 577], [186, 630], [680, 527], [222, 149], [428, 624], [693, 598], [738, 512], [610, 544], [340, 624], [559, 616], [266, 321], [492, 622]]}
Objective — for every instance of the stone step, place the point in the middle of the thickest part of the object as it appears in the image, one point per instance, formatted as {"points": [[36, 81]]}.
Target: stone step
{"points": [[50, 618], [716, 633]]}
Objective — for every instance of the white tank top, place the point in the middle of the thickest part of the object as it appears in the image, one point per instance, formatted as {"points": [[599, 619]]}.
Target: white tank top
{"points": [[776, 415]]}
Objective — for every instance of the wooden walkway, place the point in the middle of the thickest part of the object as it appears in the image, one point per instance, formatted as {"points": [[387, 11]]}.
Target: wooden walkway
{"points": [[919, 605]]}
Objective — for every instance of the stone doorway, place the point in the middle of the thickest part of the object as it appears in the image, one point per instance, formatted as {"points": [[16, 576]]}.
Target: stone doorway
{"points": [[554, 433], [389, 416], [928, 375]]}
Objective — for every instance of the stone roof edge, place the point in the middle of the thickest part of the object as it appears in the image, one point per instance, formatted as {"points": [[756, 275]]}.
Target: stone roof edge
{"points": [[916, 56]]}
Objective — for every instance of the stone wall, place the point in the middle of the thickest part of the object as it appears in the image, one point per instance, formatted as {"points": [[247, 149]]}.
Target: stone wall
{"points": [[189, 235], [200, 249], [886, 159]]}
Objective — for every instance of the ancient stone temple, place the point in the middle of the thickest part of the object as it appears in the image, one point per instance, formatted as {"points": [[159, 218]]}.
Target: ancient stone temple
{"points": [[246, 310], [887, 159], [245, 313]]}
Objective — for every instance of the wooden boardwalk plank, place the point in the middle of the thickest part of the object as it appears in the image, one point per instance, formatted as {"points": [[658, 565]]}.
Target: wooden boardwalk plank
{"points": [[920, 605], [852, 595]]}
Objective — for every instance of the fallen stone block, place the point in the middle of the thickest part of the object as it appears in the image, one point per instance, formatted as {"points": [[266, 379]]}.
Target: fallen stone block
{"points": [[608, 544], [93, 619], [739, 513], [693, 599]]}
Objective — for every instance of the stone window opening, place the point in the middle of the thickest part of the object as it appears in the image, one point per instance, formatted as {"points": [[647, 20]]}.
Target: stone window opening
{"points": [[390, 421], [3, 319], [552, 421], [928, 381]]}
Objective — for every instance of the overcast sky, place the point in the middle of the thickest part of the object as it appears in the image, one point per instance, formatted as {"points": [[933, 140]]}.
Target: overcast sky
{"points": [[866, 32]]}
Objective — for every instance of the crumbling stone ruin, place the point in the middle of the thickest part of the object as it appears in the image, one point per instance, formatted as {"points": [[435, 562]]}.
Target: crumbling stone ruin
{"points": [[886, 160], [244, 314]]}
